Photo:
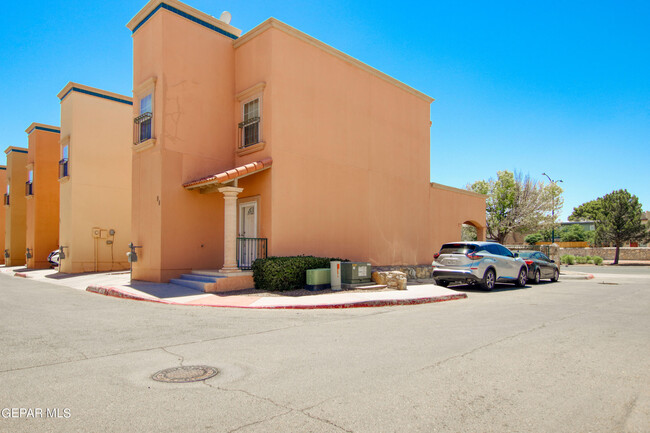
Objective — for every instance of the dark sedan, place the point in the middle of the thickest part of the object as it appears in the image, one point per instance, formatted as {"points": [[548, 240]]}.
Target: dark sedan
{"points": [[540, 266]]}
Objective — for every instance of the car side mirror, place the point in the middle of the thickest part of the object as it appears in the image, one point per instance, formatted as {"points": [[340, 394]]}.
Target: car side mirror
{"points": [[516, 254], [552, 261]]}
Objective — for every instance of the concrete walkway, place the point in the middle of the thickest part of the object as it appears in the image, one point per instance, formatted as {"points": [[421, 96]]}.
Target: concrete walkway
{"points": [[117, 284]]}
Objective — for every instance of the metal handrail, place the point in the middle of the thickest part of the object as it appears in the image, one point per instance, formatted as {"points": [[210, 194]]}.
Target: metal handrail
{"points": [[63, 168], [248, 122], [250, 249], [138, 124]]}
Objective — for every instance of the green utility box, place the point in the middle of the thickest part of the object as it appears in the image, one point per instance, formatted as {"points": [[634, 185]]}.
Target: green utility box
{"points": [[318, 279], [355, 272]]}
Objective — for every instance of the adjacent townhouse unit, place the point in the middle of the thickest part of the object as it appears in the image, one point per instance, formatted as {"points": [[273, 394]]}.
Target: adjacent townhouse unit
{"points": [[42, 194], [94, 174], [15, 205], [276, 143], [3, 187]]}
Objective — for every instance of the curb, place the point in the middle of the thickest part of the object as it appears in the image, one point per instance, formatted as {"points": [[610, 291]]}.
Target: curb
{"points": [[117, 293], [581, 276]]}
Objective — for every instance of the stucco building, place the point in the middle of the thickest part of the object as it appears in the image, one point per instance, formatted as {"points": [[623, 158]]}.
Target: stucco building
{"points": [[42, 194], [3, 187], [274, 142], [95, 179], [15, 205]]}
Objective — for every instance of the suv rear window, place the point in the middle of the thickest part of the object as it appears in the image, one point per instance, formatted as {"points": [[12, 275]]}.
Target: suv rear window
{"points": [[457, 248]]}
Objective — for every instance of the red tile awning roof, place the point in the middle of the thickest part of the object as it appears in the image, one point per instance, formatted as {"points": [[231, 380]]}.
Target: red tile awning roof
{"points": [[230, 175]]}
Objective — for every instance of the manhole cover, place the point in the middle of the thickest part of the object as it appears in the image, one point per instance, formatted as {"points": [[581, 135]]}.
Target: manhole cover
{"points": [[191, 373]]}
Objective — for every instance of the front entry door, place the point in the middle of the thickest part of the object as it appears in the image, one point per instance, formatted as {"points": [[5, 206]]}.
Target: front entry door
{"points": [[248, 231]]}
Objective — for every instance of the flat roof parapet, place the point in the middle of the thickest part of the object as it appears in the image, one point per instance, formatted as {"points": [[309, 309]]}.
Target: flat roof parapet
{"points": [[93, 91], [15, 149], [42, 127], [185, 11]]}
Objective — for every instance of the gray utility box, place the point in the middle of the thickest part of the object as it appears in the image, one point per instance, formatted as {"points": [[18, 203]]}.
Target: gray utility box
{"points": [[355, 272]]}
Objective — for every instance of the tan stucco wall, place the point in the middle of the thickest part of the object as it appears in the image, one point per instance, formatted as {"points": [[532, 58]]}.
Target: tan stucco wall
{"points": [[350, 150], [194, 131], [450, 209], [42, 207], [3, 189], [15, 213], [97, 192]]}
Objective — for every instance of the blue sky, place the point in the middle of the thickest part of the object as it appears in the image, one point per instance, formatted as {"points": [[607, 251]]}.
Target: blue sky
{"points": [[561, 87]]}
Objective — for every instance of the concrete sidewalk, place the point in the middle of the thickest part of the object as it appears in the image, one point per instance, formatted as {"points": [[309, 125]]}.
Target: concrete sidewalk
{"points": [[117, 284]]}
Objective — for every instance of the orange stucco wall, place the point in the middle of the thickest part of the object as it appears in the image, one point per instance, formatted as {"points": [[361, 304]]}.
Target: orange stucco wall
{"points": [[15, 213], [450, 209], [96, 196], [193, 128], [350, 150], [3, 189], [42, 206]]}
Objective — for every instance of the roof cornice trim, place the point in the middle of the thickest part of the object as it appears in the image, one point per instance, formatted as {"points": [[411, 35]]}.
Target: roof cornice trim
{"points": [[92, 91], [15, 149], [185, 11], [458, 190], [42, 127], [279, 25]]}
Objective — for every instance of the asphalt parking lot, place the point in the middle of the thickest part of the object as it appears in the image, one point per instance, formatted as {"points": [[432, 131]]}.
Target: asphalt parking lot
{"points": [[562, 357]]}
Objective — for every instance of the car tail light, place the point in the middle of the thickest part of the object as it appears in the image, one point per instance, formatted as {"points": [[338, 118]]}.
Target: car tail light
{"points": [[436, 255], [529, 262], [473, 256]]}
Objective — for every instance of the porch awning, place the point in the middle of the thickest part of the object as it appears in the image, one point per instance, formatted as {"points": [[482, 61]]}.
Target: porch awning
{"points": [[214, 181]]}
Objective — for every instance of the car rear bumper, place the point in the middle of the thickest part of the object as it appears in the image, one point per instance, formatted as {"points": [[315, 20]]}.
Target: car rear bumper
{"points": [[454, 275]]}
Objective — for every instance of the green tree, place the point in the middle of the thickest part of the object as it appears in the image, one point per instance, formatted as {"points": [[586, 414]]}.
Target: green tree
{"points": [[574, 233], [590, 211], [620, 220], [517, 202], [534, 238]]}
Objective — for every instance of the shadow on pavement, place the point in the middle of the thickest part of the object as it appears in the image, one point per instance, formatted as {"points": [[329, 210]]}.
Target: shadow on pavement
{"points": [[164, 290]]}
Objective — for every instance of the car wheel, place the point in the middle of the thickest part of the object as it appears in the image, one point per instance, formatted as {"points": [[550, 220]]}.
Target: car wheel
{"points": [[537, 277], [441, 283], [522, 278], [556, 275], [489, 279]]}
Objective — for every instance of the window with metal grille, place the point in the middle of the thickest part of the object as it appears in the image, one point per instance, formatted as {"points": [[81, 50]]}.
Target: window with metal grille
{"points": [[63, 163], [29, 190], [251, 125], [142, 125]]}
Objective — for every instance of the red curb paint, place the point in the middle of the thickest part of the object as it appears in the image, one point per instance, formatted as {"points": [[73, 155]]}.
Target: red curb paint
{"points": [[117, 293], [590, 277], [20, 274]]}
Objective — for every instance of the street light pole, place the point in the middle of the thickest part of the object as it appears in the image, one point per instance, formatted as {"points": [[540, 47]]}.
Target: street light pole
{"points": [[553, 209]]}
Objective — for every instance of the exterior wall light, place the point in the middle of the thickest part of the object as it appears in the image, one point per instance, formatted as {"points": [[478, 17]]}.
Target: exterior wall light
{"points": [[28, 254]]}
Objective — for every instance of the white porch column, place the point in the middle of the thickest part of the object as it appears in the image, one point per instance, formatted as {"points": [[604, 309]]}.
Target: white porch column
{"points": [[230, 228]]}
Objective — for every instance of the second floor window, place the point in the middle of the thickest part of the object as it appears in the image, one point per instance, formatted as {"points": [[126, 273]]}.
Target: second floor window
{"points": [[251, 123], [143, 122], [6, 196], [63, 164], [29, 185]]}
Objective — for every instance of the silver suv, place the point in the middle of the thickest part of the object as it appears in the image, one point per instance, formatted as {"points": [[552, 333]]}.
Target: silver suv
{"points": [[482, 263]]}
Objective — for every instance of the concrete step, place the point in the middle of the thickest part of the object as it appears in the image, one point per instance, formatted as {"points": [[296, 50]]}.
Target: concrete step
{"points": [[199, 277], [197, 285]]}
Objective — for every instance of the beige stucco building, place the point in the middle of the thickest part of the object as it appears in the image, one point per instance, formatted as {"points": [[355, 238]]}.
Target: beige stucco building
{"points": [[277, 142], [15, 205], [3, 188], [42, 194], [95, 179]]}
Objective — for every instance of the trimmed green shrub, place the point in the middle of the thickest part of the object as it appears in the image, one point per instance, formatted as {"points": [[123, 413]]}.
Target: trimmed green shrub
{"points": [[581, 260], [568, 259], [277, 274], [597, 260]]}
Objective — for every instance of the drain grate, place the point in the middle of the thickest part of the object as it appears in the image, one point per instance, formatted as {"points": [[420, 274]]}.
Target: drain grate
{"points": [[191, 373]]}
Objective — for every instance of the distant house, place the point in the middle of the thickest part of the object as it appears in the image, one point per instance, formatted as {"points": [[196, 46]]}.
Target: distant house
{"points": [[3, 187], [95, 179], [42, 194], [273, 142], [15, 205]]}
